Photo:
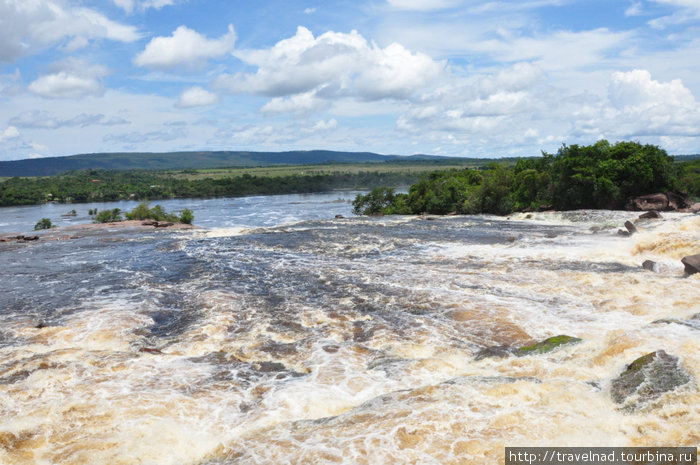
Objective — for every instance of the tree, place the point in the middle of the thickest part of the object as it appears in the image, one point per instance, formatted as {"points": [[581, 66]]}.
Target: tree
{"points": [[43, 223]]}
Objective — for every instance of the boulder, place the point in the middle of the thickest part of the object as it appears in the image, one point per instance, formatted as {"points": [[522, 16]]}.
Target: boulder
{"points": [[630, 227], [547, 345], [649, 202], [649, 265], [339, 217], [162, 225], [678, 201], [494, 352], [692, 263], [647, 378], [650, 215]]}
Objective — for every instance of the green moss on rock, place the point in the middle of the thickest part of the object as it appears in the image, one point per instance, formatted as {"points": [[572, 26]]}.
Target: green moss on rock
{"points": [[647, 378], [547, 345]]}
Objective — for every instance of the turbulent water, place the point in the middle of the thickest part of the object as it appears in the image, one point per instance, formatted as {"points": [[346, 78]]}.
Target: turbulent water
{"points": [[348, 341]]}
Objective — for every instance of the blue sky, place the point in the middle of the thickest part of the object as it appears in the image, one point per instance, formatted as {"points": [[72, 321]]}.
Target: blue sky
{"points": [[448, 77]]}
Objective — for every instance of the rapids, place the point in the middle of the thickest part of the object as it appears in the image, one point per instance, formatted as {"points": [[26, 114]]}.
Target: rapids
{"points": [[348, 341]]}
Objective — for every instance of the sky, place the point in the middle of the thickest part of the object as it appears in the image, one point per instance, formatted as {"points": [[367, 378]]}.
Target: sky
{"points": [[443, 77]]}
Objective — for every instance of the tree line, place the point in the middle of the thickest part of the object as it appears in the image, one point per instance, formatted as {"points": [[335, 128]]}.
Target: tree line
{"points": [[598, 176], [106, 185]]}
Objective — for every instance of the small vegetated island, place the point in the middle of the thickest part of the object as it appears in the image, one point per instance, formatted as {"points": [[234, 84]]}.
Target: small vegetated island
{"points": [[598, 176]]}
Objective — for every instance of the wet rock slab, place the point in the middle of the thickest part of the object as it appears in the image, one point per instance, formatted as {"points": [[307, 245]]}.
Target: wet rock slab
{"points": [[647, 378]]}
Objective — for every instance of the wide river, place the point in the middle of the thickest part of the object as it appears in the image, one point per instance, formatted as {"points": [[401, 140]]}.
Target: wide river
{"points": [[282, 335]]}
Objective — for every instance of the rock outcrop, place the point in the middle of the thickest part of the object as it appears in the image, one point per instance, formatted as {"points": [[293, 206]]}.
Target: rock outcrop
{"points": [[659, 202], [692, 263], [647, 378], [650, 215]]}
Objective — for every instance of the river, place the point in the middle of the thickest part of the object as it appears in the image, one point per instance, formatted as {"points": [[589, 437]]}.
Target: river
{"points": [[282, 335]]}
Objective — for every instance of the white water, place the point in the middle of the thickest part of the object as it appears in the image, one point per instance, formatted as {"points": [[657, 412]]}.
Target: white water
{"points": [[350, 341]]}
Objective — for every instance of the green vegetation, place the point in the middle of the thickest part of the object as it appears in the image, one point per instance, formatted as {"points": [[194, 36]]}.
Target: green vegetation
{"points": [[101, 185], [599, 176], [689, 177], [547, 345], [157, 213], [186, 216], [108, 216], [43, 223]]}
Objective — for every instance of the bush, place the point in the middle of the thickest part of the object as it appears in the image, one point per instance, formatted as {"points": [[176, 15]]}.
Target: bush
{"points": [[43, 223], [186, 216], [108, 216], [157, 213]]}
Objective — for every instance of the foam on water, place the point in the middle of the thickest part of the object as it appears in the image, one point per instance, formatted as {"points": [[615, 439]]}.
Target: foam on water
{"points": [[349, 342]]}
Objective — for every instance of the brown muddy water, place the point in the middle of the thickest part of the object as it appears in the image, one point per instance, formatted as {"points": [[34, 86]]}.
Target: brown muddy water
{"points": [[349, 341]]}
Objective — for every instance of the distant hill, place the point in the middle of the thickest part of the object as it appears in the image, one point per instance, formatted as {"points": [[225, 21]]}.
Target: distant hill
{"points": [[194, 160], [178, 160]]}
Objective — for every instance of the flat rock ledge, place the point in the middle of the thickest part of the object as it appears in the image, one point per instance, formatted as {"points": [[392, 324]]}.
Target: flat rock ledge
{"points": [[646, 379]]}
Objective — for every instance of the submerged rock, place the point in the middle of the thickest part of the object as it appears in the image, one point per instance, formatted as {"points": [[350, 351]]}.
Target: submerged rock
{"points": [[649, 265], [692, 263], [547, 345], [494, 352], [650, 215], [647, 378], [630, 227]]}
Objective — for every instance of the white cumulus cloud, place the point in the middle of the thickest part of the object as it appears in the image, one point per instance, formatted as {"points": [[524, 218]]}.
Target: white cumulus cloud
{"points": [[9, 133], [331, 66], [70, 79], [185, 47], [196, 97], [28, 26]]}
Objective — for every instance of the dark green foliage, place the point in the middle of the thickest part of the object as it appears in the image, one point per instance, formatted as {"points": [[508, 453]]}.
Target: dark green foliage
{"points": [[43, 223], [107, 186], [186, 216], [689, 177], [375, 202], [108, 216], [599, 176], [143, 212], [605, 176]]}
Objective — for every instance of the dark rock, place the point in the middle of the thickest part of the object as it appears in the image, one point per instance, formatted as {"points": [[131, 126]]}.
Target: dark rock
{"points": [[692, 263], [40, 325], [268, 367], [623, 233], [149, 223], [630, 227], [647, 378], [494, 352], [649, 265], [547, 345], [339, 217], [162, 225], [649, 202], [678, 201], [150, 350], [650, 215]]}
